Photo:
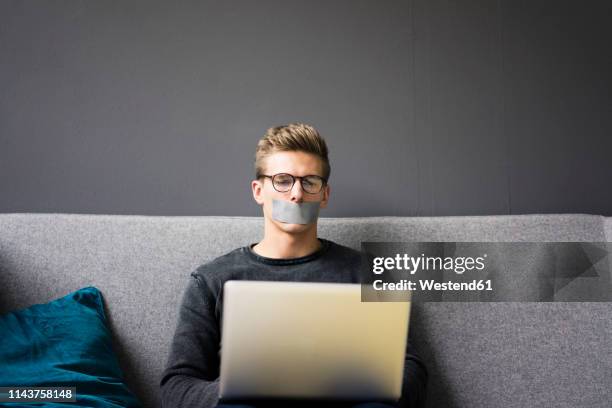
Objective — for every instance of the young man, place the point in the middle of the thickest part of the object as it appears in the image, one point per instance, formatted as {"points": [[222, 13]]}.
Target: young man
{"points": [[292, 172]]}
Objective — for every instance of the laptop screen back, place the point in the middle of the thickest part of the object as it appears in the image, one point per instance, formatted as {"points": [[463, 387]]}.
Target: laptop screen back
{"points": [[310, 340]]}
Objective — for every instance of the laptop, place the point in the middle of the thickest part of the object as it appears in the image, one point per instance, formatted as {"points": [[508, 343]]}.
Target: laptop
{"points": [[310, 341]]}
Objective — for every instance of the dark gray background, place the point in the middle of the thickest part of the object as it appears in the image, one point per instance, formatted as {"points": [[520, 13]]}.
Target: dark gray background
{"points": [[428, 107]]}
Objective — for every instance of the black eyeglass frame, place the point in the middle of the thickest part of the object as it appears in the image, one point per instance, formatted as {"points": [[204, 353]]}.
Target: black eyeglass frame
{"points": [[294, 178]]}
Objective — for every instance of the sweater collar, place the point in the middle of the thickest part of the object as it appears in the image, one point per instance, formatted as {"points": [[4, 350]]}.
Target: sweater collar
{"points": [[325, 244]]}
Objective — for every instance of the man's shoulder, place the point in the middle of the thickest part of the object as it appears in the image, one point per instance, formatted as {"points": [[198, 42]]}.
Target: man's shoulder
{"points": [[344, 252], [222, 262]]}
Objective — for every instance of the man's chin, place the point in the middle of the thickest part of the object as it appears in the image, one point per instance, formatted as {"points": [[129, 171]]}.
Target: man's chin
{"points": [[293, 228]]}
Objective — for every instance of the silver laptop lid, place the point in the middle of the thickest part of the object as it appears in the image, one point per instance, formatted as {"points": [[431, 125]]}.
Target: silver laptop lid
{"points": [[310, 340]]}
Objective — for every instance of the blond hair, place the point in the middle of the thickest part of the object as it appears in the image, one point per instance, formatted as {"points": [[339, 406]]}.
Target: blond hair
{"points": [[291, 137]]}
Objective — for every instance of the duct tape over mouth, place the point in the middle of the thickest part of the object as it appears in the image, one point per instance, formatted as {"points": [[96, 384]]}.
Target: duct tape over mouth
{"points": [[288, 212]]}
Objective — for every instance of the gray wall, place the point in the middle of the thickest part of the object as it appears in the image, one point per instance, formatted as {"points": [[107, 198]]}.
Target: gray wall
{"points": [[428, 107]]}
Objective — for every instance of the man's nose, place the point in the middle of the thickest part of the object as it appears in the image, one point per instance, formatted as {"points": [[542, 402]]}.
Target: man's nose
{"points": [[297, 194]]}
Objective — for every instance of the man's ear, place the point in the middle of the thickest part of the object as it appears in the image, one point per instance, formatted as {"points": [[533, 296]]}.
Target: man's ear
{"points": [[257, 187], [325, 199]]}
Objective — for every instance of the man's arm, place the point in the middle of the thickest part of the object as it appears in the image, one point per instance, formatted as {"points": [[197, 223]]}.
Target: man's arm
{"points": [[414, 387], [191, 376]]}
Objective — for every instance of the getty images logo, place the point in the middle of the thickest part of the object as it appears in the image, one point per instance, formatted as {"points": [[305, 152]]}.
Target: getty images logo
{"points": [[412, 264]]}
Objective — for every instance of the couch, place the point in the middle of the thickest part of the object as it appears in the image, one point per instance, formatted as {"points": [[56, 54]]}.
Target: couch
{"points": [[479, 354]]}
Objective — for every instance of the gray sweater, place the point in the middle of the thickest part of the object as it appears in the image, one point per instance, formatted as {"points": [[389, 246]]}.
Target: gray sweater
{"points": [[191, 375]]}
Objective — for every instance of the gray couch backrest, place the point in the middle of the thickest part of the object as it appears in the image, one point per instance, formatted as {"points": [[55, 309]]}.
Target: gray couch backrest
{"points": [[478, 354]]}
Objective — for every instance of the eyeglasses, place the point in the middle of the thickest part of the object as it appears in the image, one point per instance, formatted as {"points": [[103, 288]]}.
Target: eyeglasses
{"points": [[283, 182]]}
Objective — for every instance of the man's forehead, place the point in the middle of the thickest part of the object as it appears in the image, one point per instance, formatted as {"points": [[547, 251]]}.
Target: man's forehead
{"points": [[296, 163]]}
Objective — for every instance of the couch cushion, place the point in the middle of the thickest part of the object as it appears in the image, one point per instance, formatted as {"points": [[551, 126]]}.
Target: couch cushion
{"points": [[479, 354], [64, 343]]}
